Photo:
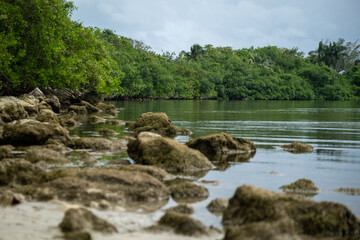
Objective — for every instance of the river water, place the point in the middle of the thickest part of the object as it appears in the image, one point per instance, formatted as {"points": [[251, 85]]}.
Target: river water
{"points": [[332, 128]]}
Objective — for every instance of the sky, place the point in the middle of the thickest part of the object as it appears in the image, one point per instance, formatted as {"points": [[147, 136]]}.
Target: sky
{"points": [[175, 25]]}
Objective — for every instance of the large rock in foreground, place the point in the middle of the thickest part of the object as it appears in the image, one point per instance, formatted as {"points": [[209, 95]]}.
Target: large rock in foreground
{"points": [[11, 109], [79, 219], [157, 123], [31, 132], [253, 208], [221, 144], [166, 153]]}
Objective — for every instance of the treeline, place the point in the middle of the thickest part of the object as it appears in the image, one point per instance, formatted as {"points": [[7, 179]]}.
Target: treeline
{"points": [[40, 46]]}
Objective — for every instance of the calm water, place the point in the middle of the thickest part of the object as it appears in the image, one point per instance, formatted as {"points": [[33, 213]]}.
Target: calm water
{"points": [[333, 128]]}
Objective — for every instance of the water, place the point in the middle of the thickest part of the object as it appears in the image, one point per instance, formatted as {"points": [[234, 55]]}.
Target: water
{"points": [[333, 128]]}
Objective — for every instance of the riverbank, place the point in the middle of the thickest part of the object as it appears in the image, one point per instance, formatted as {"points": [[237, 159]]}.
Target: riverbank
{"points": [[69, 170]]}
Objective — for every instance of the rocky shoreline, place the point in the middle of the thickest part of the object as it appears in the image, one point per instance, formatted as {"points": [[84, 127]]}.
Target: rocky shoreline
{"points": [[36, 166]]}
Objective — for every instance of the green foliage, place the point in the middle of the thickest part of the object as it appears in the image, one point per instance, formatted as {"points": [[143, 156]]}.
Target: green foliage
{"points": [[40, 46]]}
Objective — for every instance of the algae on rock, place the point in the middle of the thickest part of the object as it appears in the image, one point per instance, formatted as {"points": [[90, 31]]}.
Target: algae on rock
{"points": [[157, 123], [297, 147]]}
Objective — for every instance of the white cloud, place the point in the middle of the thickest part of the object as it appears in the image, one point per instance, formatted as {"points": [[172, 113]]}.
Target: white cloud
{"points": [[174, 25]]}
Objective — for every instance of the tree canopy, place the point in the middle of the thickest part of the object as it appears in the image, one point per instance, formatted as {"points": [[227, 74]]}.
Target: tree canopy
{"points": [[40, 46]]}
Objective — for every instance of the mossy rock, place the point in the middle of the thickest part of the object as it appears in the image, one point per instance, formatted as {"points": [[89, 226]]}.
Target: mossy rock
{"points": [[185, 191], [168, 154], [10, 198], [156, 172], [119, 162], [349, 191], [157, 123], [89, 107], [99, 144], [105, 132], [96, 119], [182, 209], [297, 147], [44, 105], [31, 132], [29, 108], [5, 151], [21, 172], [47, 115], [84, 186], [80, 219], [218, 206], [251, 205], [183, 224], [78, 235], [12, 109], [303, 185], [115, 122], [216, 145], [80, 110], [107, 108], [45, 155]]}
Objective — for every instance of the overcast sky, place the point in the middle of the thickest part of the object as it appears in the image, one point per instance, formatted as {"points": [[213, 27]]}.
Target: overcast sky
{"points": [[175, 25]]}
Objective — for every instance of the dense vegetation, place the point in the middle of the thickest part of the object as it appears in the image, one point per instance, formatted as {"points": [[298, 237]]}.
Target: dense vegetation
{"points": [[40, 46]]}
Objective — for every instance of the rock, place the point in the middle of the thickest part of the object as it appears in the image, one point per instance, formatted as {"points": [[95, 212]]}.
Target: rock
{"points": [[105, 132], [157, 123], [119, 162], [11, 109], [66, 96], [168, 154], [80, 219], [218, 205], [44, 105], [89, 186], [80, 110], [37, 93], [68, 119], [302, 185], [21, 172], [29, 108], [220, 144], [115, 122], [54, 102], [31, 132], [182, 209], [288, 214], [9, 198], [77, 236], [30, 99], [183, 224], [96, 119], [350, 191], [186, 191], [45, 155], [297, 147], [89, 107], [99, 144], [156, 172], [47, 115], [5, 151], [107, 108]]}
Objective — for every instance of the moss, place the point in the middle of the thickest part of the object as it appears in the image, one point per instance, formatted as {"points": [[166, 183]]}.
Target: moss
{"points": [[105, 132], [297, 147], [46, 155], [115, 122], [5, 151], [218, 205], [82, 219], [157, 123], [93, 143], [302, 185], [183, 224], [31, 132], [182, 209], [89, 107], [47, 115], [156, 172], [10, 198], [252, 205], [81, 110], [186, 191], [350, 191], [216, 145], [11, 109], [168, 154], [81, 235], [107, 108]]}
